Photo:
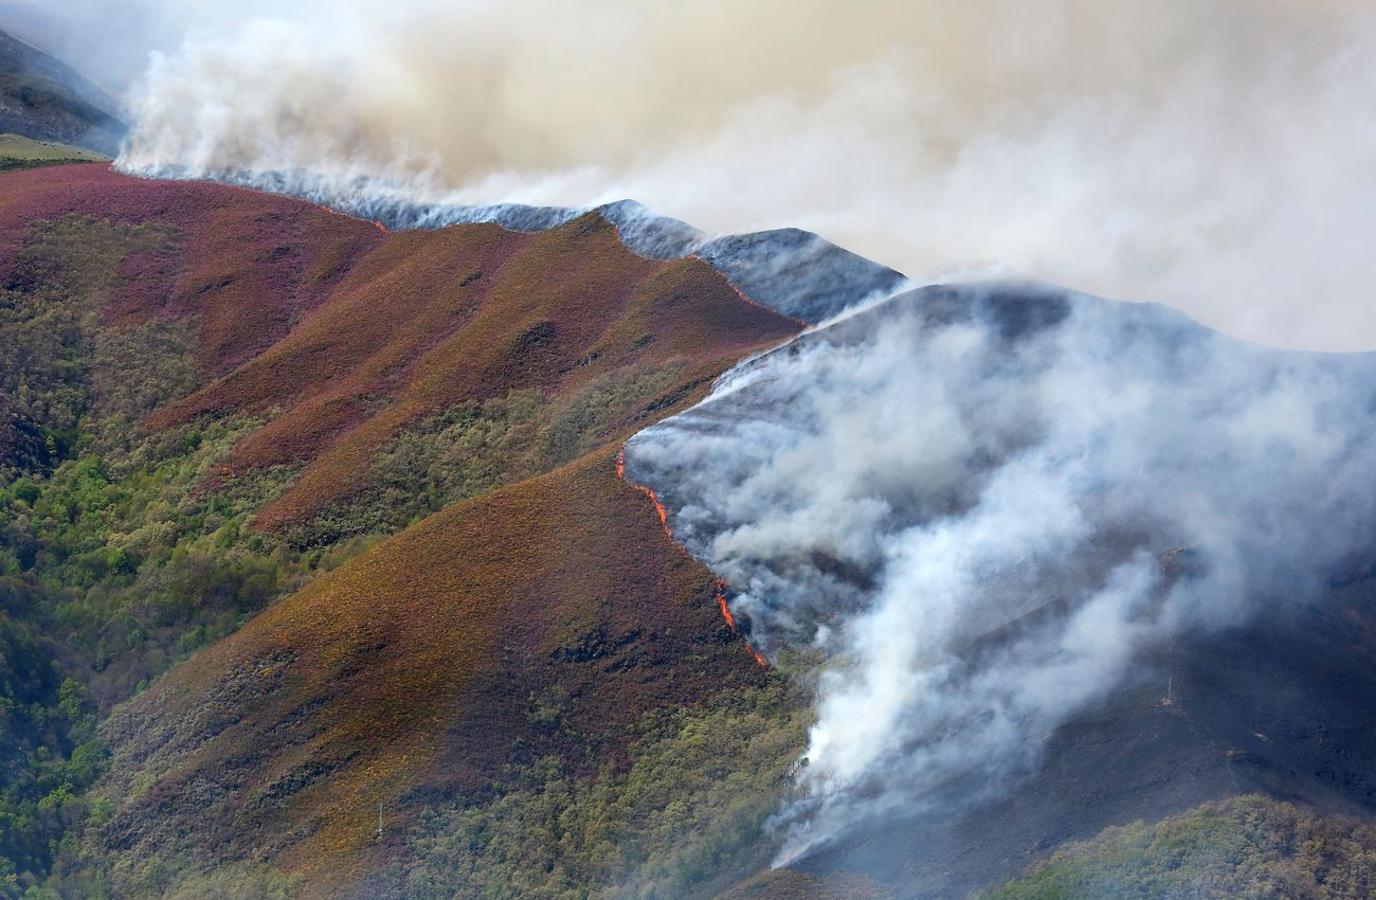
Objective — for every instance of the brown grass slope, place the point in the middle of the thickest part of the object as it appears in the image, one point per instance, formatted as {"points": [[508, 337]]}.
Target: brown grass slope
{"points": [[413, 671], [431, 319], [244, 267], [339, 335], [542, 619]]}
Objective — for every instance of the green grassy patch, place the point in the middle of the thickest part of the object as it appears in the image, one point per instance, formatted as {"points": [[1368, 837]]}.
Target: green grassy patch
{"points": [[1246, 846], [17, 152], [689, 812]]}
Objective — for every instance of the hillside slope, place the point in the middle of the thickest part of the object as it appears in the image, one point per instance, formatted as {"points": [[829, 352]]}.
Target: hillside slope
{"points": [[244, 391], [538, 623], [44, 99], [1243, 660], [317, 577]]}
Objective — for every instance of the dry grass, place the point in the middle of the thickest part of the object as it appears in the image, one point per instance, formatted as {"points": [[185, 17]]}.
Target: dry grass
{"points": [[433, 661], [473, 312], [412, 672], [246, 267], [15, 148]]}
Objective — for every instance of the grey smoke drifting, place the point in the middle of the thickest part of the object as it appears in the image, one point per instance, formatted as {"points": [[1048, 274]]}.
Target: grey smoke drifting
{"points": [[982, 504], [980, 519], [1213, 155]]}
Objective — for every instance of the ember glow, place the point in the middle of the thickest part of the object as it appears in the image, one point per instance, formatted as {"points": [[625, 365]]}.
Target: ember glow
{"points": [[721, 586], [961, 498]]}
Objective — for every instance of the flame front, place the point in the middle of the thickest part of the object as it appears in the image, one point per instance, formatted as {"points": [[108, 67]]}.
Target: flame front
{"points": [[334, 212], [721, 585]]}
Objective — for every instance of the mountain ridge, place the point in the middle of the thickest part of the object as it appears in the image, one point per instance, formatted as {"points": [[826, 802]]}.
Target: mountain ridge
{"points": [[45, 99], [794, 272], [379, 618]]}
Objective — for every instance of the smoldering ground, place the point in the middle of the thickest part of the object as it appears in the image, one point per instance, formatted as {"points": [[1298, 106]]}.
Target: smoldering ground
{"points": [[982, 504]]}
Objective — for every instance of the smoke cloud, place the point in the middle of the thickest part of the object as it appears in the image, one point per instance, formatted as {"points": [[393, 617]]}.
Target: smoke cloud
{"points": [[1212, 155], [980, 505]]}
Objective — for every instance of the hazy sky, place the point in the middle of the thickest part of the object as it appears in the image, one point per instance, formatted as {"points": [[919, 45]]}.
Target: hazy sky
{"points": [[1211, 154]]}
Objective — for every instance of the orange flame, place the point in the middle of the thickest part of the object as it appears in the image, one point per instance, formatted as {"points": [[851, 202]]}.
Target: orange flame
{"points": [[334, 212], [721, 585], [744, 298]]}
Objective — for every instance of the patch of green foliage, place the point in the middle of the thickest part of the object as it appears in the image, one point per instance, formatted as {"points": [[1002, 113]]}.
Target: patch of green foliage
{"points": [[17, 152], [476, 446], [690, 810], [108, 550], [1246, 846], [130, 567], [48, 753], [173, 879], [63, 370]]}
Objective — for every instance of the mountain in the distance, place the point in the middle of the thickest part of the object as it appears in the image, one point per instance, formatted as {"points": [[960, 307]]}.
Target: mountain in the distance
{"points": [[45, 99], [793, 272]]}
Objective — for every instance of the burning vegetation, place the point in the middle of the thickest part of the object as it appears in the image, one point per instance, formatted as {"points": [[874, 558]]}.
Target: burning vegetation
{"points": [[721, 585]]}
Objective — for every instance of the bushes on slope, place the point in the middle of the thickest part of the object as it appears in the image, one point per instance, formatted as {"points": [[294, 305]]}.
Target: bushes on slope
{"points": [[1246, 846]]}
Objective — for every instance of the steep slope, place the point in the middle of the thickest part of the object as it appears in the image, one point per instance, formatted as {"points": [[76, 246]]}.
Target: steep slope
{"points": [[1282, 709], [214, 397], [324, 523], [540, 622], [45, 99], [556, 312], [1084, 563], [243, 267]]}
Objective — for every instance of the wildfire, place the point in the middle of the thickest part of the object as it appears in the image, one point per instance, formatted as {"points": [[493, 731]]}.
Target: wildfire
{"points": [[721, 585], [746, 299], [334, 212]]}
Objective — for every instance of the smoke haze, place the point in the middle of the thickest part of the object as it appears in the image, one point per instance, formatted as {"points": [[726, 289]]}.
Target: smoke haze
{"points": [[1212, 155], [982, 505], [979, 506]]}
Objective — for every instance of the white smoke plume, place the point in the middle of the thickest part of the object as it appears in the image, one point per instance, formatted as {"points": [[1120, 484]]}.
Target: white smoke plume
{"points": [[1211, 154], [982, 505], [980, 520]]}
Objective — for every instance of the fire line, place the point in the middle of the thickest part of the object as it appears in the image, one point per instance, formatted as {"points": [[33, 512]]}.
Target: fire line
{"points": [[721, 585]]}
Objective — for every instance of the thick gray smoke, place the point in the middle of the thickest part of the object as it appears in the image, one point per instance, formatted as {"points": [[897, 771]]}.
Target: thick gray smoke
{"points": [[982, 504], [1211, 154], [980, 507]]}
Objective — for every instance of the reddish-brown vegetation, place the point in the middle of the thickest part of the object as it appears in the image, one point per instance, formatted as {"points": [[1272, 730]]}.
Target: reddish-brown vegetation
{"points": [[412, 672], [469, 313], [245, 265], [341, 334], [542, 619]]}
